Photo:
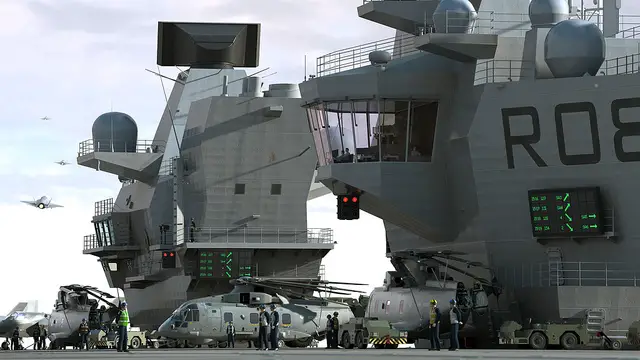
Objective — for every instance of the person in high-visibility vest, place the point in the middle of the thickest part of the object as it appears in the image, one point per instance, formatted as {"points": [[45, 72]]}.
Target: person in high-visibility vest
{"points": [[123, 322], [434, 325]]}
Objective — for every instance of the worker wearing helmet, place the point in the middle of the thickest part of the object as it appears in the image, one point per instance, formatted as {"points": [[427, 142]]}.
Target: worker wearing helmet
{"points": [[455, 317], [83, 331], [336, 330], [123, 322], [434, 325]]}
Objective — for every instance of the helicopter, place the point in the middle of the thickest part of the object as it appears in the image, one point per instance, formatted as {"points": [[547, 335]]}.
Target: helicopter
{"points": [[72, 305], [203, 321], [404, 300]]}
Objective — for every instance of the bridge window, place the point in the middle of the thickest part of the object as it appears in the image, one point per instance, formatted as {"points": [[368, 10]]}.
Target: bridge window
{"points": [[253, 318], [239, 190], [276, 189], [286, 319], [401, 307], [228, 317], [372, 131]]}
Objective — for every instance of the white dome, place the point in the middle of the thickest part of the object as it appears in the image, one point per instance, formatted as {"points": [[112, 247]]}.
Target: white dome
{"points": [[548, 12], [454, 16]]}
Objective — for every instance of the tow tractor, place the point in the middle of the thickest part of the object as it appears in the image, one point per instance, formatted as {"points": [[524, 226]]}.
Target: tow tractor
{"points": [[569, 333], [101, 339], [359, 332]]}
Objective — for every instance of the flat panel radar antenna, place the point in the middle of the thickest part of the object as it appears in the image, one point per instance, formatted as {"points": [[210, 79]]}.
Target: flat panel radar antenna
{"points": [[208, 45]]}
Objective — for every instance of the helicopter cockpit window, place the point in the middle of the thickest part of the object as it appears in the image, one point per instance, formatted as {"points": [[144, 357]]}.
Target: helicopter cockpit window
{"points": [[192, 315], [253, 318], [286, 319], [228, 317]]}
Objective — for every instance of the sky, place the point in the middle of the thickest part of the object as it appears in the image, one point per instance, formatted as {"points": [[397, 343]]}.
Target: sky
{"points": [[72, 60]]}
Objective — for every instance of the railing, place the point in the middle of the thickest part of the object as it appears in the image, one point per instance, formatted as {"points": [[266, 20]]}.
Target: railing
{"points": [[166, 167], [493, 71], [322, 272], [628, 64], [91, 242], [141, 146], [103, 207], [254, 235], [569, 274]]}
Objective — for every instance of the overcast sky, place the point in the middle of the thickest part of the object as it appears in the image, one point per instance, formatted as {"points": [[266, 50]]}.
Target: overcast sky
{"points": [[73, 60]]}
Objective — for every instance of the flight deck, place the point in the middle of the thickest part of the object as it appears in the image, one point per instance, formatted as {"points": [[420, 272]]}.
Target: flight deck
{"points": [[317, 354]]}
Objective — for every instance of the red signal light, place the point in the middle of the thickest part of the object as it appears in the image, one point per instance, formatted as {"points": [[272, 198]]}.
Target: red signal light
{"points": [[345, 199], [164, 254], [171, 254], [354, 199]]}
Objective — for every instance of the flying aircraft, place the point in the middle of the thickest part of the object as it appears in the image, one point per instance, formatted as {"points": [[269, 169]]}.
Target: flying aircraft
{"points": [[45, 118], [302, 317], [42, 203], [20, 318], [404, 298], [62, 162], [72, 305]]}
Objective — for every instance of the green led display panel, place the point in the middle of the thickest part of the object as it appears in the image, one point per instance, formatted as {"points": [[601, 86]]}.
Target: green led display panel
{"points": [[224, 264], [565, 212]]}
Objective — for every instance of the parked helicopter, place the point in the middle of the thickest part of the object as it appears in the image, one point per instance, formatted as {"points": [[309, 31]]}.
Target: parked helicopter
{"points": [[404, 299], [72, 305], [302, 317]]}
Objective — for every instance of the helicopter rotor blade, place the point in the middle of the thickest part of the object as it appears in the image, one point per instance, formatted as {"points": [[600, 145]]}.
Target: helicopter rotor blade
{"points": [[312, 286], [284, 289], [456, 269], [465, 261]]}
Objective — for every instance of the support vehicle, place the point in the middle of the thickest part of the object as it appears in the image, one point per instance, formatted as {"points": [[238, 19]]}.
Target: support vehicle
{"points": [[100, 339], [359, 332], [569, 333]]}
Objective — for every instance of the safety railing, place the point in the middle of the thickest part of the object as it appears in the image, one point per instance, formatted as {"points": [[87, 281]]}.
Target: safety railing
{"points": [[103, 207], [623, 65], [493, 71], [91, 242], [166, 167], [253, 235], [569, 274], [322, 272], [141, 146]]}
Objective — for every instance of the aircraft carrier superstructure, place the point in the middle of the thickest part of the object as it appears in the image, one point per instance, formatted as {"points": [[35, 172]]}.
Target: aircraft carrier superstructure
{"points": [[221, 190], [504, 131]]}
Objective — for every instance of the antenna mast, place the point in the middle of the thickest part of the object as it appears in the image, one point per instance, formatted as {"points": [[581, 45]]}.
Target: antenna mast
{"points": [[305, 67]]}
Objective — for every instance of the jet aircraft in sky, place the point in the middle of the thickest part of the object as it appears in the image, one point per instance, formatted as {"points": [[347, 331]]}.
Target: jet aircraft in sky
{"points": [[62, 162], [42, 203], [45, 118]]}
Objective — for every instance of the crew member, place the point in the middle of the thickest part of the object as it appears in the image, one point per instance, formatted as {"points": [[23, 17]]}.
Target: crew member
{"points": [[263, 321], [43, 337], [275, 325], [329, 330], [455, 317], [83, 330], [123, 322], [15, 339], [36, 338], [434, 325], [231, 334], [336, 326], [192, 230], [101, 312]]}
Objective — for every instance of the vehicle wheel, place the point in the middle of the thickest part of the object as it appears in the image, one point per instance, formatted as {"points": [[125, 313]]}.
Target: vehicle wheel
{"points": [[569, 341], [179, 344], [222, 344], [155, 344], [538, 341], [188, 345], [359, 342], [346, 340], [135, 343], [616, 345], [213, 345], [5, 346], [281, 343]]}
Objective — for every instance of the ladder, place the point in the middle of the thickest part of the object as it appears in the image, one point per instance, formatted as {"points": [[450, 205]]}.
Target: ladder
{"points": [[595, 323], [556, 270]]}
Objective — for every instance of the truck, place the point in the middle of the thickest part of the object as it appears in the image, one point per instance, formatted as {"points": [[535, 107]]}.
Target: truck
{"points": [[584, 331], [101, 339], [359, 332]]}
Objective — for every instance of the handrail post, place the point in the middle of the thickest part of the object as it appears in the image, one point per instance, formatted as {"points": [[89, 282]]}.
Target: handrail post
{"points": [[244, 235], [579, 273], [227, 234], [606, 274], [278, 236]]}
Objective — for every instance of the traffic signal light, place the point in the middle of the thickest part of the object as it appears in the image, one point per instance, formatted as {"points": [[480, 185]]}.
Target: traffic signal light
{"points": [[168, 259], [349, 207]]}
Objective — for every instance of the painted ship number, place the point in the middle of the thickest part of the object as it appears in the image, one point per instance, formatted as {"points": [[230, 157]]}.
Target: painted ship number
{"points": [[624, 129]]}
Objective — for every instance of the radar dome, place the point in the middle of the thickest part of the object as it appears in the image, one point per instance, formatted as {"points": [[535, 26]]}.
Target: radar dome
{"points": [[114, 132], [574, 48], [548, 12], [454, 16], [379, 57]]}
